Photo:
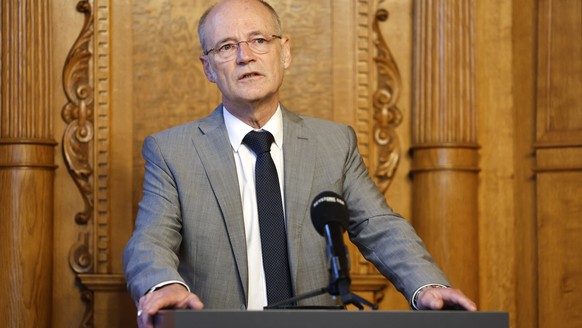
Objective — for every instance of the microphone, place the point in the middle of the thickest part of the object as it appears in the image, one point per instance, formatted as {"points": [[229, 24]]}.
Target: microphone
{"points": [[330, 218]]}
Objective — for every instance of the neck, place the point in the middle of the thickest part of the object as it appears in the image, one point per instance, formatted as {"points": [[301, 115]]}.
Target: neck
{"points": [[255, 115]]}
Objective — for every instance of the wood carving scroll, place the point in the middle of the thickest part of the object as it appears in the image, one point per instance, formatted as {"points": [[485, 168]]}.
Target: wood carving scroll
{"points": [[387, 116], [86, 141], [78, 113], [89, 299], [78, 139]]}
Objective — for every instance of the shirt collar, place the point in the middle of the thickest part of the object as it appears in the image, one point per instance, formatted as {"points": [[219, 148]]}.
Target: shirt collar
{"points": [[238, 129]]}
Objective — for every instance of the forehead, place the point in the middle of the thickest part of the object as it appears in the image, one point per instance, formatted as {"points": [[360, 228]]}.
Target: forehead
{"points": [[238, 19]]}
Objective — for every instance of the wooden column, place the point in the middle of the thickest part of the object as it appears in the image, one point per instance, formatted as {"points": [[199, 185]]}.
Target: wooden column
{"points": [[444, 138], [26, 164]]}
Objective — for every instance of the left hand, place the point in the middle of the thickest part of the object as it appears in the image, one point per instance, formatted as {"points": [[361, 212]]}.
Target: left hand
{"points": [[438, 298]]}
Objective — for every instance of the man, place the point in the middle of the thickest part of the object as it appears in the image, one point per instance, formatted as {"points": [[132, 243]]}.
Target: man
{"points": [[196, 242]]}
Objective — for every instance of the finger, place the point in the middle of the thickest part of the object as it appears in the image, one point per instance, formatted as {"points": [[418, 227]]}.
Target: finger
{"points": [[150, 304], [193, 302], [448, 297], [431, 300], [456, 297], [143, 320], [140, 312], [464, 301]]}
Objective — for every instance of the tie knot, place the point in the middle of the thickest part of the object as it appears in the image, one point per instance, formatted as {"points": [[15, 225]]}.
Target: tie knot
{"points": [[259, 142]]}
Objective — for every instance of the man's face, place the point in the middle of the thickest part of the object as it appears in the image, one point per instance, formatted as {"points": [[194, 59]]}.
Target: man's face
{"points": [[246, 77]]}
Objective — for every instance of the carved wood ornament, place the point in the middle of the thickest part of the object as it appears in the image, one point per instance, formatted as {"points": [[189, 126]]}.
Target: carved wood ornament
{"points": [[86, 142], [77, 142], [387, 116], [384, 82]]}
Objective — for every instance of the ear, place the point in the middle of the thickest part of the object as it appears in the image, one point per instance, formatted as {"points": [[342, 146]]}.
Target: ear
{"points": [[208, 69], [286, 52]]}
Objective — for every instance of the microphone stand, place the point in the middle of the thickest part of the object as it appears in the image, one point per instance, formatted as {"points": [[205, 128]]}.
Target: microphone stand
{"points": [[342, 289]]}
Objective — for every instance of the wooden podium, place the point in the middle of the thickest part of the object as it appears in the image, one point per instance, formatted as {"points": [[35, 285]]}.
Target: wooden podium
{"points": [[330, 318]]}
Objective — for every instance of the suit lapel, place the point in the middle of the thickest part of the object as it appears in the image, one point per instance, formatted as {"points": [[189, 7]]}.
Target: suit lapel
{"points": [[299, 157], [215, 153]]}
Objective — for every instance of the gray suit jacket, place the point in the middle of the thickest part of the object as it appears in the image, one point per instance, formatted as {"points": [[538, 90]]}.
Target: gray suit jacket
{"points": [[190, 224]]}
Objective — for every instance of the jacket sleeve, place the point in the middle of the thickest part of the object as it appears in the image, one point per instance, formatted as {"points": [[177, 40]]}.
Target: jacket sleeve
{"points": [[383, 237], [151, 255]]}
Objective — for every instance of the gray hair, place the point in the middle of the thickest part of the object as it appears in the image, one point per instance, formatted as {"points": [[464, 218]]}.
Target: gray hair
{"points": [[202, 22]]}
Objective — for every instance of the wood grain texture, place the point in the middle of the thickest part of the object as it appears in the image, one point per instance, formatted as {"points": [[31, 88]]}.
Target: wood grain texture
{"points": [[168, 83], [26, 164], [560, 264], [559, 114], [559, 163], [26, 246], [503, 156], [444, 138], [445, 108]]}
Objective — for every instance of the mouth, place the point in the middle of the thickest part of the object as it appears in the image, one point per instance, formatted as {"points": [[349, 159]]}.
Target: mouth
{"points": [[248, 75]]}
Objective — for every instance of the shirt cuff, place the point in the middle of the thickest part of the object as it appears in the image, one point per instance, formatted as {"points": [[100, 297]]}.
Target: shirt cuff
{"points": [[416, 294], [165, 283]]}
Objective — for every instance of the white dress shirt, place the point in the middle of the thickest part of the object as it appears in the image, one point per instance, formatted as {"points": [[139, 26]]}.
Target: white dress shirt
{"points": [[245, 167]]}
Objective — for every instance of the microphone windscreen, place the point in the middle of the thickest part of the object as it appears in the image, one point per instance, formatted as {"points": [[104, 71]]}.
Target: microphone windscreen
{"points": [[328, 207]]}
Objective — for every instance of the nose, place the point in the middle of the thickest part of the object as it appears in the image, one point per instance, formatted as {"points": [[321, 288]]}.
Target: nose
{"points": [[244, 54]]}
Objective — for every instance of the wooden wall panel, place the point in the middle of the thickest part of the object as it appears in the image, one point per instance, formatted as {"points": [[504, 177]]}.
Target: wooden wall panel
{"points": [[559, 163], [512, 284], [502, 156], [560, 73], [559, 230], [168, 83]]}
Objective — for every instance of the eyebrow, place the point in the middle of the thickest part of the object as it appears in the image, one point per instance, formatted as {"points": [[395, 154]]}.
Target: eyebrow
{"points": [[230, 38]]}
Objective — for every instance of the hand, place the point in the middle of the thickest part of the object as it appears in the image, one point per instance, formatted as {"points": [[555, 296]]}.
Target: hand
{"points": [[173, 296], [439, 298]]}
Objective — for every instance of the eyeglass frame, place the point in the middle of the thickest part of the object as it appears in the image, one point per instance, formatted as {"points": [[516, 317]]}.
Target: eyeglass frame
{"points": [[237, 44]]}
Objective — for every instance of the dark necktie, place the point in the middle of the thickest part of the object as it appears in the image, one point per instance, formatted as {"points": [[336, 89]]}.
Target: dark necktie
{"points": [[271, 218]]}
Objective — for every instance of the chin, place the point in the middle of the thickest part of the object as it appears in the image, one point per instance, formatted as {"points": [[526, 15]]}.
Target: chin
{"points": [[253, 96]]}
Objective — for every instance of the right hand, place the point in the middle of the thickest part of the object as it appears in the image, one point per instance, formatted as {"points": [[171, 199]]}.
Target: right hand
{"points": [[173, 296]]}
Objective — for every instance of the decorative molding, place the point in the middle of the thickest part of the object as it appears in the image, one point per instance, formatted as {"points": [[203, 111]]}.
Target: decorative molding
{"points": [[387, 116], [26, 69], [86, 137], [78, 113], [363, 78], [102, 135], [558, 99], [88, 297], [86, 82], [80, 258], [77, 142], [444, 110], [376, 115], [384, 154]]}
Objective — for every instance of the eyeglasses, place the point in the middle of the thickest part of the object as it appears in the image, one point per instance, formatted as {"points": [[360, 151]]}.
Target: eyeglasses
{"points": [[259, 45]]}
